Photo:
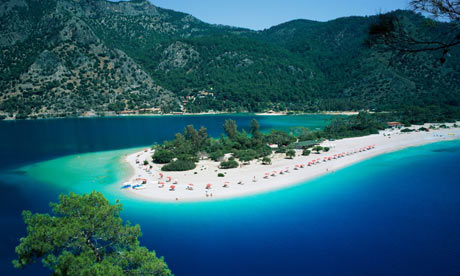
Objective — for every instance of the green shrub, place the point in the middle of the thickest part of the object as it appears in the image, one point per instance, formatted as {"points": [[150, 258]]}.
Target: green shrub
{"points": [[306, 152], [266, 161], [318, 148], [215, 156], [220, 175], [230, 164], [281, 150], [162, 156], [326, 149], [146, 162], [179, 165], [407, 130], [188, 157], [290, 153]]}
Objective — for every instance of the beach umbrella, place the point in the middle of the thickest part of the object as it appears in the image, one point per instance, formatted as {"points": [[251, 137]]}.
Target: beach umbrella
{"points": [[267, 174], [208, 186], [172, 187], [190, 184]]}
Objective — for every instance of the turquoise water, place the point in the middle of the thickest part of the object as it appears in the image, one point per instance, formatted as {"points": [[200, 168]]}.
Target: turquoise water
{"points": [[26, 142], [396, 214]]}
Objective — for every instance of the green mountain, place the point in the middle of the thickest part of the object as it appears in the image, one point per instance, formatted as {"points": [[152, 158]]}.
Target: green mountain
{"points": [[67, 57]]}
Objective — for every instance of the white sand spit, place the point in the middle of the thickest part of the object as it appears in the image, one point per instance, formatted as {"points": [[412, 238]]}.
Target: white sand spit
{"points": [[257, 178]]}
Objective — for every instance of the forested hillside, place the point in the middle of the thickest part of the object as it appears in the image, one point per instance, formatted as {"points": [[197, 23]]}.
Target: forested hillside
{"points": [[67, 57]]}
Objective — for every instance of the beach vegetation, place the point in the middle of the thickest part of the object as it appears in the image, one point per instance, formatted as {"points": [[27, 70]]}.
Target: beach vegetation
{"points": [[254, 128], [266, 160], [220, 175], [192, 145], [146, 162], [290, 153], [85, 235], [216, 155], [407, 130], [162, 156], [230, 164], [281, 150], [317, 149], [179, 165]]}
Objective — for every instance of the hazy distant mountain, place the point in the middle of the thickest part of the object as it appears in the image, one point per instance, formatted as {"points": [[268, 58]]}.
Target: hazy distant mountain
{"points": [[72, 56]]}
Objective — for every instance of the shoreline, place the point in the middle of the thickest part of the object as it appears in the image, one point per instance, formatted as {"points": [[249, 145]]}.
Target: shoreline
{"points": [[110, 115], [157, 188]]}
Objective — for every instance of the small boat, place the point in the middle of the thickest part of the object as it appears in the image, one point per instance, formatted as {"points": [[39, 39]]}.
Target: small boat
{"points": [[138, 187], [126, 186]]}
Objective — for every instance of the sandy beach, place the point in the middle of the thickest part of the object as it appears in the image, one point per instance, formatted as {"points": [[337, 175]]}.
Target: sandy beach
{"points": [[203, 183]]}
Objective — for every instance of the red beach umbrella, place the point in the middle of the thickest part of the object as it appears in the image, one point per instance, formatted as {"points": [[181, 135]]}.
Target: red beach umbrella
{"points": [[208, 186], [172, 187]]}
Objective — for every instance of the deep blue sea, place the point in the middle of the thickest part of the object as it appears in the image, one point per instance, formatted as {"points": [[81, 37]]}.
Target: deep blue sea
{"points": [[396, 214]]}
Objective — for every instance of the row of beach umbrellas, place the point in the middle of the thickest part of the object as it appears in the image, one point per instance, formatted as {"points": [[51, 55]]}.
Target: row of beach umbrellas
{"points": [[268, 174], [319, 160]]}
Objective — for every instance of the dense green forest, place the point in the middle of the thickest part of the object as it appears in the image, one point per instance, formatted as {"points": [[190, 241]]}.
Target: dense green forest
{"points": [[74, 56]]}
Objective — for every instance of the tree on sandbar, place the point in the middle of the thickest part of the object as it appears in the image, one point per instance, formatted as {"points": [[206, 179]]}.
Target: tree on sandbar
{"points": [[290, 153]]}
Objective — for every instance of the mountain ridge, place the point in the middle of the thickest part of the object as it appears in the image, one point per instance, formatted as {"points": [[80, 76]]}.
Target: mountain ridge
{"points": [[69, 57]]}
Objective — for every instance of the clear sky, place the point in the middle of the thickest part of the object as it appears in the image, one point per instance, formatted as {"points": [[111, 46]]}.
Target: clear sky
{"points": [[262, 14]]}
